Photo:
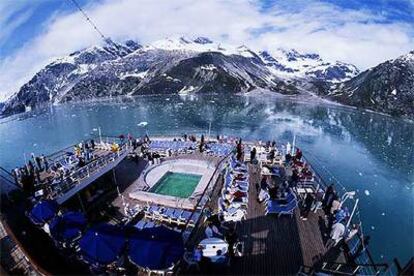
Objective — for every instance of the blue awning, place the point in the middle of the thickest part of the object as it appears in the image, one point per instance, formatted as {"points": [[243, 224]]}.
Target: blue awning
{"points": [[43, 211], [67, 227], [155, 248], [102, 244]]}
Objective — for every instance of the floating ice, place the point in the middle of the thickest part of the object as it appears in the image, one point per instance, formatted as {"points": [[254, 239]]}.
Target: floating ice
{"points": [[360, 173], [73, 115], [366, 192], [95, 129], [123, 107], [143, 124], [389, 140], [372, 227], [382, 214]]}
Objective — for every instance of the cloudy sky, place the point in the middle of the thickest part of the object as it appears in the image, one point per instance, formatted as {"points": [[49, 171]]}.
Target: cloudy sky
{"points": [[362, 32]]}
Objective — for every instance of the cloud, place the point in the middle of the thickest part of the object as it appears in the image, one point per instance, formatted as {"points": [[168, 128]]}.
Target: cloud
{"points": [[13, 15], [355, 36]]}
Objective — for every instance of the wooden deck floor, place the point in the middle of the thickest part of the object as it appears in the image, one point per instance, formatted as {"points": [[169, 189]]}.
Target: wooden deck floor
{"points": [[271, 245], [277, 245]]}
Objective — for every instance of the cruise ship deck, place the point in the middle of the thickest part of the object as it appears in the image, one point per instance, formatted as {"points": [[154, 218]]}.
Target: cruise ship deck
{"points": [[276, 245], [270, 244]]}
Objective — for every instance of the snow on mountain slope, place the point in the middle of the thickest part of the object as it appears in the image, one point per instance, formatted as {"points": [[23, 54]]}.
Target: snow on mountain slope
{"points": [[293, 64], [387, 87], [200, 44]]}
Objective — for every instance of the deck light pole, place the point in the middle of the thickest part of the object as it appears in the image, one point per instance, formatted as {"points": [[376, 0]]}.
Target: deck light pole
{"points": [[100, 135], [293, 145], [209, 131], [353, 212], [350, 195]]}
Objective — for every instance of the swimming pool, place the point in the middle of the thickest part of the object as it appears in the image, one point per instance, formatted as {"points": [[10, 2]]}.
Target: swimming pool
{"points": [[176, 184]]}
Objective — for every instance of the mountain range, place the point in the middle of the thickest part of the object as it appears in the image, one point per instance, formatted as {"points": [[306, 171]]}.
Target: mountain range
{"points": [[200, 65]]}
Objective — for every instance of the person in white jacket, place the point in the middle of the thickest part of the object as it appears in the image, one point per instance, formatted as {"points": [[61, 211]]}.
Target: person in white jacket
{"points": [[337, 234]]}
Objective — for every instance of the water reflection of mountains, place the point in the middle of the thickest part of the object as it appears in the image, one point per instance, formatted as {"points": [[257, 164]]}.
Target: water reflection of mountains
{"points": [[386, 138]]}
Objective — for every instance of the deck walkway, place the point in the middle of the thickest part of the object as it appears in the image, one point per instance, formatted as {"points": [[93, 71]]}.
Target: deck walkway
{"points": [[279, 245], [271, 245]]}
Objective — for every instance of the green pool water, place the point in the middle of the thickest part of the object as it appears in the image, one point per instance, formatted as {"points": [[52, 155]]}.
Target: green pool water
{"points": [[176, 184]]}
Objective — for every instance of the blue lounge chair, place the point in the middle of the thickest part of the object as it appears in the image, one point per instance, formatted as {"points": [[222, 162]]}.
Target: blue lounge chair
{"points": [[140, 224]]}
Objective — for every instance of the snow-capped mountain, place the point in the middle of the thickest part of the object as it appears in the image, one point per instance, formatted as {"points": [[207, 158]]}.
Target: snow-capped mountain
{"points": [[293, 64], [388, 88], [179, 65]]}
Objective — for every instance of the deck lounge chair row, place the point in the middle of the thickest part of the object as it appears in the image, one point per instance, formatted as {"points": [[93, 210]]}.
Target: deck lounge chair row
{"points": [[171, 215], [237, 186], [282, 207], [61, 186], [175, 146], [219, 149]]}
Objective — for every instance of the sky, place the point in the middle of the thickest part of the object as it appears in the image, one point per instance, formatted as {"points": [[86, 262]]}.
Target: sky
{"points": [[361, 32]]}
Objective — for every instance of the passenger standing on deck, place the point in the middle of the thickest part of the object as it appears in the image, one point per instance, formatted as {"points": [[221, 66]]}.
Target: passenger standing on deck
{"points": [[37, 174], [16, 174], [337, 234], [272, 155], [294, 178], [92, 144], [252, 155], [288, 148], [239, 148], [202, 143], [198, 253], [45, 163], [39, 163], [318, 200], [231, 238], [307, 206], [328, 198], [298, 155], [335, 206], [288, 158]]}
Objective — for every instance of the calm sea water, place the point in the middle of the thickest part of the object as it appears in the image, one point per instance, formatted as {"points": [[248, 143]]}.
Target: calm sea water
{"points": [[369, 153]]}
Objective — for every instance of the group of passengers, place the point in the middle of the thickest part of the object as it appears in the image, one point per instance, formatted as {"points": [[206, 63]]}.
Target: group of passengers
{"points": [[271, 188], [337, 215], [29, 175], [270, 150], [216, 227], [39, 171]]}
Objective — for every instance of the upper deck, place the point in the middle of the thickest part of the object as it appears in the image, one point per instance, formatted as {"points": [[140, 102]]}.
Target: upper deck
{"points": [[272, 244]]}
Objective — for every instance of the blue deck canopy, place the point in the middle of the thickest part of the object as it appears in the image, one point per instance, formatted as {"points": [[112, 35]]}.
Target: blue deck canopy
{"points": [[102, 244], [67, 227], [43, 211], [156, 248]]}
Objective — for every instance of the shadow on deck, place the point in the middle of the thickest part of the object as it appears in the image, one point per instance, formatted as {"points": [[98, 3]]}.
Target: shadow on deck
{"points": [[271, 247]]}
